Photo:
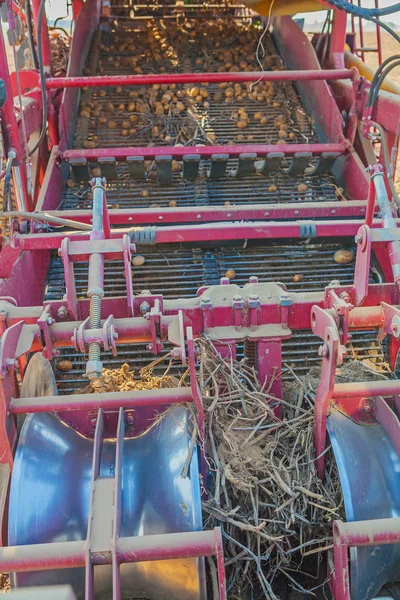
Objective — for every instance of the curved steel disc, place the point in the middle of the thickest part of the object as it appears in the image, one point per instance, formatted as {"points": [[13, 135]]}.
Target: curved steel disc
{"points": [[50, 492], [369, 470], [39, 379]]}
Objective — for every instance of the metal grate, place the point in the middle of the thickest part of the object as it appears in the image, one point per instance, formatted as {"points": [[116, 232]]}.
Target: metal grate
{"points": [[300, 352], [176, 271], [254, 189], [213, 125]]}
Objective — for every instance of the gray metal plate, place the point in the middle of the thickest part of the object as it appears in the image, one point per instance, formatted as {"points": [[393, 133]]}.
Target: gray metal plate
{"points": [[369, 470], [50, 491]]}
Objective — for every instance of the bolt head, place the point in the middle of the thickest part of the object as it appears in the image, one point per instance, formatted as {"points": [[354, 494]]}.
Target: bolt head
{"points": [[224, 281], [144, 307], [254, 301], [205, 303], [323, 351], [358, 238], [285, 300], [253, 279], [62, 313], [395, 326]]}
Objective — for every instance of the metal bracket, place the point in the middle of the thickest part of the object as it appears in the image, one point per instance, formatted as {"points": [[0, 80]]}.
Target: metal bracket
{"points": [[44, 322], [110, 336], [342, 306], [154, 316], [79, 336], [390, 321], [126, 242], [16, 341], [308, 229], [176, 336], [363, 262], [70, 288]]}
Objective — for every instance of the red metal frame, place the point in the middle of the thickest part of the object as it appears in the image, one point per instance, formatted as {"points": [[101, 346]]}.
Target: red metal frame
{"points": [[263, 313], [183, 78], [178, 152], [355, 535]]}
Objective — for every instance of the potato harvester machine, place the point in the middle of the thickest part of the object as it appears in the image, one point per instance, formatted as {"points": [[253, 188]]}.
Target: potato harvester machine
{"points": [[234, 176]]}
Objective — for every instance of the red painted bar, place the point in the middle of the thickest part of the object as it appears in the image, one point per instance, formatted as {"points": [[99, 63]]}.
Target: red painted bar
{"points": [[168, 546], [42, 557], [178, 152], [375, 532], [168, 78], [63, 555], [212, 232], [368, 389], [248, 212], [365, 316], [131, 399]]}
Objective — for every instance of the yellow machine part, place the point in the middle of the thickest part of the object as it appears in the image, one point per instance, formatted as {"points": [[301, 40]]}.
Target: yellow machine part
{"points": [[351, 60], [283, 7]]}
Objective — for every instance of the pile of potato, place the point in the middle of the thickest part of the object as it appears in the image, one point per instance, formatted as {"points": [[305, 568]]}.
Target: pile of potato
{"points": [[156, 112]]}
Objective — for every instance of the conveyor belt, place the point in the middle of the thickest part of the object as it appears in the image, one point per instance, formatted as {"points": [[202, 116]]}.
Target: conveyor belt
{"points": [[176, 271], [256, 189], [173, 270], [196, 124]]}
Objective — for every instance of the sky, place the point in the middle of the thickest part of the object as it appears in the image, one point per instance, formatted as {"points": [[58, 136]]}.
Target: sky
{"points": [[394, 18]]}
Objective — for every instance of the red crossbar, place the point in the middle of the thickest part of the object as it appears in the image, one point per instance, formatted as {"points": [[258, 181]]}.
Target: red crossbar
{"points": [[168, 78], [131, 399], [63, 555], [178, 152]]}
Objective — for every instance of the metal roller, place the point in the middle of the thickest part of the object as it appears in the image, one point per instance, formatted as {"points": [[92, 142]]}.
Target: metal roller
{"points": [[50, 497], [369, 468]]}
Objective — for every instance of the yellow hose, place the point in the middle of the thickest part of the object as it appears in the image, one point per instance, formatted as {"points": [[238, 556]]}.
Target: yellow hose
{"points": [[351, 60]]}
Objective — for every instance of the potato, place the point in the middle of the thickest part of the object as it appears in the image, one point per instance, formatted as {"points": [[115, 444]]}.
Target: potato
{"points": [[112, 124], [302, 187], [172, 203], [230, 274], [145, 193], [272, 188], [298, 278], [85, 113], [64, 366], [138, 260], [339, 192], [343, 257], [89, 144], [242, 124]]}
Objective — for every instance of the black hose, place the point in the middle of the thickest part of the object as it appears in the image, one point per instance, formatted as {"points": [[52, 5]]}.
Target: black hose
{"points": [[42, 78], [377, 76], [30, 34], [386, 28], [377, 87], [7, 181]]}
